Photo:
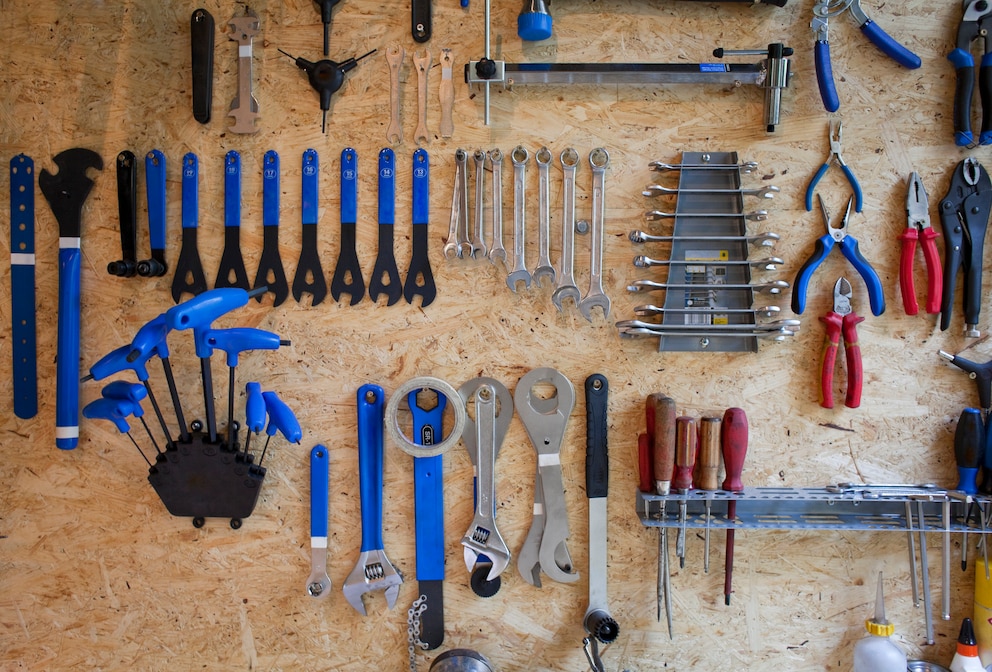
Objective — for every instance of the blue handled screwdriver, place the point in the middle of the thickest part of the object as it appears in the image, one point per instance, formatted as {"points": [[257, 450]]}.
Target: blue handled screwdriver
{"points": [[281, 419], [115, 410]]}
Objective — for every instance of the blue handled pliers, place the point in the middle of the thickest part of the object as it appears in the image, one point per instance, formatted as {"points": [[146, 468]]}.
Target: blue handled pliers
{"points": [[823, 11], [849, 247], [836, 133]]}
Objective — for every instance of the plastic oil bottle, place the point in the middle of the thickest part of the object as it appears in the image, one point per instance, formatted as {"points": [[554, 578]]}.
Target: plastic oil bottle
{"points": [[966, 657], [876, 652]]}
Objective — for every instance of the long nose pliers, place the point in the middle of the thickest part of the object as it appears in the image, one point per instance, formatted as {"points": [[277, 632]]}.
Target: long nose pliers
{"points": [[975, 24], [849, 247]]}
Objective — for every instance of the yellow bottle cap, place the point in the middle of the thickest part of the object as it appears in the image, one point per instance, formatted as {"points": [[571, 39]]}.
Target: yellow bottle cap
{"points": [[883, 629]]}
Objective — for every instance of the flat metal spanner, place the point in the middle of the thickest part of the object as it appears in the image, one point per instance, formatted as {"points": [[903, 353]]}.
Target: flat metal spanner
{"points": [[566, 288], [519, 156], [599, 161]]}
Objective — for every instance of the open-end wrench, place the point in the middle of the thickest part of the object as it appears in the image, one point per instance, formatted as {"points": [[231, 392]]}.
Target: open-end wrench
{"points": [[756, 216], [244, 107], [458, 229], [544, 268], [423, 64], [373, 570], [347, 278], [231, 272], [318, 584], [483, 438], [270, 273], [773, 287], [497, 251], [394, 59], [762, 239], [599, 160], [519, 156], [479, 234], [659, 190], [385, 276], [766, 264], [419, 278], [189, 276], [566, 288], [309, 272]]}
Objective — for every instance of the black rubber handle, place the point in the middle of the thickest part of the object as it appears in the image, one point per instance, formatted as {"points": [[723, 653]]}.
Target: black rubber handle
{"points": [[201, 31], [597, 455], [127, 207], [420, 20], [985, 92]]}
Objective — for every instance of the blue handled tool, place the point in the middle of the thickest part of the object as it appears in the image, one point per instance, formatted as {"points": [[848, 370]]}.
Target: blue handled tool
{"points": [[419, 278], [281, 419], [309, 273], [347, 277], [823, 11], [23, 323], [122, 390], [836, 131], [189, 276], [115, 410], [976, 22], [270, 274], [254, 412], [231, 272], [155, 188], [66, 193], [849, 247], [151, 340], [318, 583], [385, 278], [969, 449]]}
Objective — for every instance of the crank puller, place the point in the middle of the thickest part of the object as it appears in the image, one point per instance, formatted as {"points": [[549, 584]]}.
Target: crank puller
{"points": [[23, 321], [189, 276], [348, 274], [419, 279], [201, 33], [66, 192], [155, 190], [420, 24], [127, 208], [309, 273], [385, 277], [326, 77], [270, 273], [231, 272]]}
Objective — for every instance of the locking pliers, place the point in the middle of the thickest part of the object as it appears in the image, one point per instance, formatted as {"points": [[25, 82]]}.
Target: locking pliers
{"points": [[975, 24]]}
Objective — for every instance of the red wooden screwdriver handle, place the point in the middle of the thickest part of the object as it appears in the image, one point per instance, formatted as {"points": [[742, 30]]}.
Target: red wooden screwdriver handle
{"points": [[708, 461], [855, 375], [645, 475], [685, 452], [661, 410], [906, 259], [935, 275], [733, 436], [833, 322]]}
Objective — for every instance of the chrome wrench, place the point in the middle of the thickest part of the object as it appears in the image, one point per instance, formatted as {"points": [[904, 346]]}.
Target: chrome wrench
{"points": [[599, 161], [479, 238], [319, 584], [497, 251], [519, 156], [567, 288], [458, 228], [544, 268]]}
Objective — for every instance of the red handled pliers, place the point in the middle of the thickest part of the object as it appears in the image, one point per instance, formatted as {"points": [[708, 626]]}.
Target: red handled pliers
{"points": [[918, 228], [841, 321]]}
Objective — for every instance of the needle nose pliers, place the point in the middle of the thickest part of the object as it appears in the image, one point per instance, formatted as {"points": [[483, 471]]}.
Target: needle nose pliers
{"points": [[975, 24], [841, 322], [918, 228], [836, 134], [849, 247]]}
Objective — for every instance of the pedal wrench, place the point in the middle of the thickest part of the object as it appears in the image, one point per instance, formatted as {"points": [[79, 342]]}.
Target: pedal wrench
{"points": [[348, 273], [519, 156], [127, 208], [318, 584], [545, 421], [189, 276], [231, 272], [567, 288], [479, 238], [155, 266], [497, 251], [419, 279], [544, 267], [309, 273], [270, 272], [599, 160], [373, 571], [385, 277]]}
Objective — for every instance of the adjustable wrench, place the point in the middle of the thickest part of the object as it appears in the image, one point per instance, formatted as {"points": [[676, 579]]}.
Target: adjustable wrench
{"points": [[566, 288], [497, 251], [520, 155], [479, 238], [544, 268], [319, 584], [599, 160], [373, 570]]}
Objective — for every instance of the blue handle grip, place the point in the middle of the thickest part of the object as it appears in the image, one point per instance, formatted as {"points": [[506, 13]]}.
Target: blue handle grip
{"points": [[238, 339], [281, 418], [311, 172], [150, 340], [67, 364], [387, 186], [421, 187], [232, 189], [115, 362], [428, 489], [849, 246], [371, 415], [349, 186], [821, 249], [825, 77], [121, 389], [270, 189], [890, 47], [203, 309], [812, 185], [155, 188], [856, 186], [319, 486], [191, 191], [115, 410], [254, 408]]}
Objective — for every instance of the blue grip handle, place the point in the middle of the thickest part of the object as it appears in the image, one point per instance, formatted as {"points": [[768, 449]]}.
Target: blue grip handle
{"points": [[270, 189], [821, 249], [123, 390], [238, 339], [254, 408], [232, 189], [371, 415], [967, 478], [116, 361], [155, 188], [825, 77], [428, 489], [856, 186], [387, 186], [311, 172], [204, 308], [890, 47], [319, 486], [812, 185], [421, 187], [67, 364], [849, 246], [150, 340], [115, 410], [191, 191], [281, 418], [349, 186]]}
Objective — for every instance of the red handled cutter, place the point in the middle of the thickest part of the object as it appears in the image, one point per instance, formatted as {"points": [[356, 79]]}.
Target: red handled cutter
{"points": [[918, 228], [841, 321]]}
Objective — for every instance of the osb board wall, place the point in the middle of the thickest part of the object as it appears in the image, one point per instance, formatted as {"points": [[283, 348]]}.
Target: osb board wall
{"points": [[95, 573]]}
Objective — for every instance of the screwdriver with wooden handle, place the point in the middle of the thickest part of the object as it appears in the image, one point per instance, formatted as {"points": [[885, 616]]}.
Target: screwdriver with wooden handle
{"points": [[733, 437], [708, 472], [660, 411], [685, 459]]}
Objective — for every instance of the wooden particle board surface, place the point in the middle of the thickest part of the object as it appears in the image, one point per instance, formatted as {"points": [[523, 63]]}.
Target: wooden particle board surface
{"points": [[95, 574]]}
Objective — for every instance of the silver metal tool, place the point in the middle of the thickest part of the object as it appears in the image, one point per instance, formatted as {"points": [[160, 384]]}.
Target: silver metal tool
{"points": [[244, 107], [925, 571], [599, 161], [318, 584], [912, 553], [766, 264], [704, 334], [650, 310], [447, 94], [761, 239], [395, 55], [519, 156], [756, 216], [479, 235], [423, 64], [773, 287], [457, 242], [945, 593], [497, 251], [544, 268], [566, 288], [721, 328], [659, 190], [744, 166]]}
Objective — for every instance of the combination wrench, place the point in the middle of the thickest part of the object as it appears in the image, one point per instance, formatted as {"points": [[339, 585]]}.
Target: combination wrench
{"points": [[519, 156], [497, 251], [544, 268], [566, 288], [479, 237], [599, 161], [457, 241]]}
